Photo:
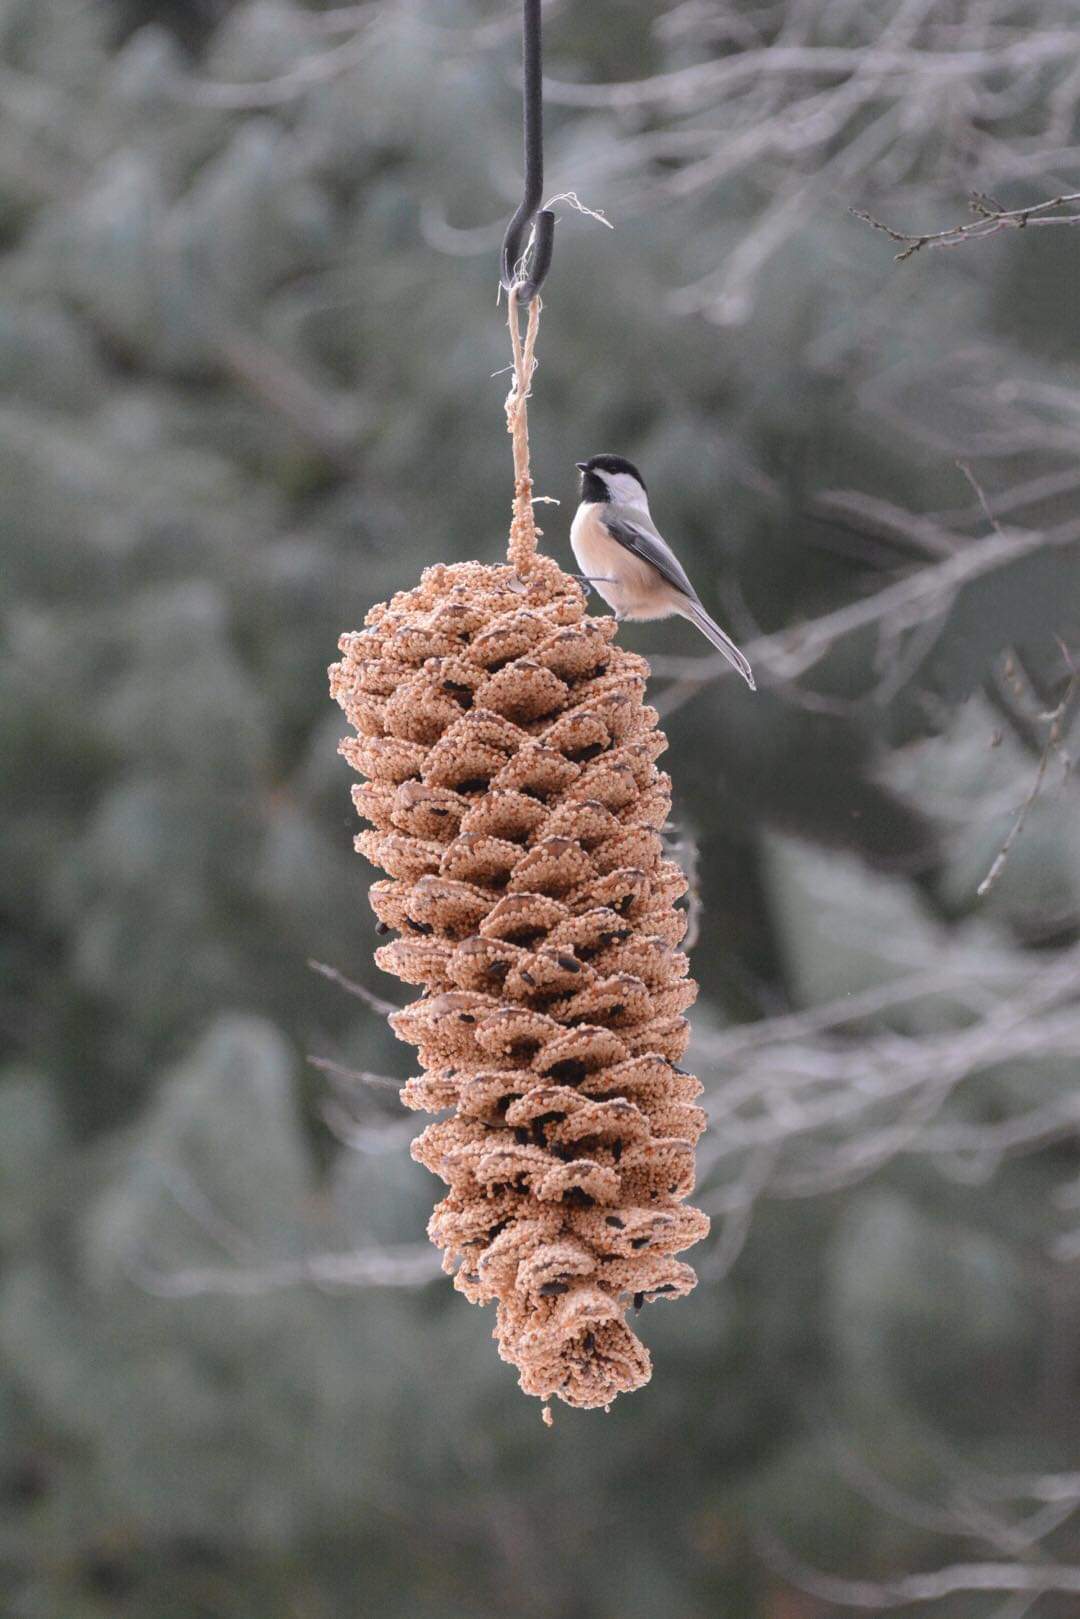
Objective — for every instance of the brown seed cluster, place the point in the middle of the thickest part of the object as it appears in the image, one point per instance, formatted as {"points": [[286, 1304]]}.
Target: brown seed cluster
{"points": [[516, 807]]}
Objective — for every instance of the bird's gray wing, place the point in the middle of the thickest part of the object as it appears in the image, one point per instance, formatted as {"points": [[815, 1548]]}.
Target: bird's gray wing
{"points": [[638, 534]]}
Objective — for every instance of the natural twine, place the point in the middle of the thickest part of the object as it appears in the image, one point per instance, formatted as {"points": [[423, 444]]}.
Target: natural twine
{"points": [[524, 533]]}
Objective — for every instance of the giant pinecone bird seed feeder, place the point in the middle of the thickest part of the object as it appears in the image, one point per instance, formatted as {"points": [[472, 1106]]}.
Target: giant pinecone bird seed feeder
{"points": [[516, 807]]}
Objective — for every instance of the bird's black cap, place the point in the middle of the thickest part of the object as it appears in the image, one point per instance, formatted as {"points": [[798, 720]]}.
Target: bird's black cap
{"points": [[592, 487]]}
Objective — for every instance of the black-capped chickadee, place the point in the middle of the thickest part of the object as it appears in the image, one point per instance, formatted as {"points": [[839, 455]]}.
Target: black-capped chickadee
{"points": [[621, 551]]}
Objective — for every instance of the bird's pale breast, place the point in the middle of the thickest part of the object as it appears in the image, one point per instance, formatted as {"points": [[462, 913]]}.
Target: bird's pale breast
{"points": [[626, 582]]}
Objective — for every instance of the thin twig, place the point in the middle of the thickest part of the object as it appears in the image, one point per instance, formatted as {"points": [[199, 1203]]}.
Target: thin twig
{"points": [[868, 514], [317, 69], [409, 1265], [689, 87], [788, 653], [980, 495], [912, 1588], [1053, 745], [325, 420], [384, 1135], [990, 217], [358, 1076], [376, 1002]]}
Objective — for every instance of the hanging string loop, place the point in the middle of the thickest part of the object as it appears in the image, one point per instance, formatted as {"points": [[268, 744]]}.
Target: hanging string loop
{"points": [[523, 530]]}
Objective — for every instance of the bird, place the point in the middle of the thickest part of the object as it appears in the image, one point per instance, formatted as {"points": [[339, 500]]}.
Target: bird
{"points": [[621, 551]]}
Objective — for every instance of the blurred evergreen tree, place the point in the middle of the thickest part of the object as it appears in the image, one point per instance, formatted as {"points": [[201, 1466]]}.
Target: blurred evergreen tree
{"points": [[249, 362]]}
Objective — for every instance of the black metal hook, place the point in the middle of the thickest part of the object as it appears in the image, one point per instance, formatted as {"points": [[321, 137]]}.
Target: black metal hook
{"points": [[531, 224]]}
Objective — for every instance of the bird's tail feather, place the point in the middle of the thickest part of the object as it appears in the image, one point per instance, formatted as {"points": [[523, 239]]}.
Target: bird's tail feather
{"points": [[709, 628]]}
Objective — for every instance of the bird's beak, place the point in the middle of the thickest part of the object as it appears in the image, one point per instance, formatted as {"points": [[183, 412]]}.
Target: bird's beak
{"points": [[581, 465]]}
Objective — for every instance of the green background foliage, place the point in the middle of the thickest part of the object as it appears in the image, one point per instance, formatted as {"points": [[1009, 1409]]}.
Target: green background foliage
{"points": [[247, 391]]}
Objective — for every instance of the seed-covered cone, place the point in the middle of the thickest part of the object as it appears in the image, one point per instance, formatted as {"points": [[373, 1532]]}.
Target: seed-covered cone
{"points": [[516, 807]]}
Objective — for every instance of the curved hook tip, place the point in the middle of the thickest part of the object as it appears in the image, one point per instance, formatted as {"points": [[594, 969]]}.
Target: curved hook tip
{"points": [[526, 272]]}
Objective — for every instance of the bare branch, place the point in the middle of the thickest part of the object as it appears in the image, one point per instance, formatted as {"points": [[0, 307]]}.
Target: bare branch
{"points": [[995, 1577], [870, 514], [327, 421], [317, 69], [409, 1265], [374, 1139], [1053, 745], [794, 1026], [990, 217], [376, 1002], [804, 1112], [928, 591], [358, 1076], [689, 87], [980, 495]]}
